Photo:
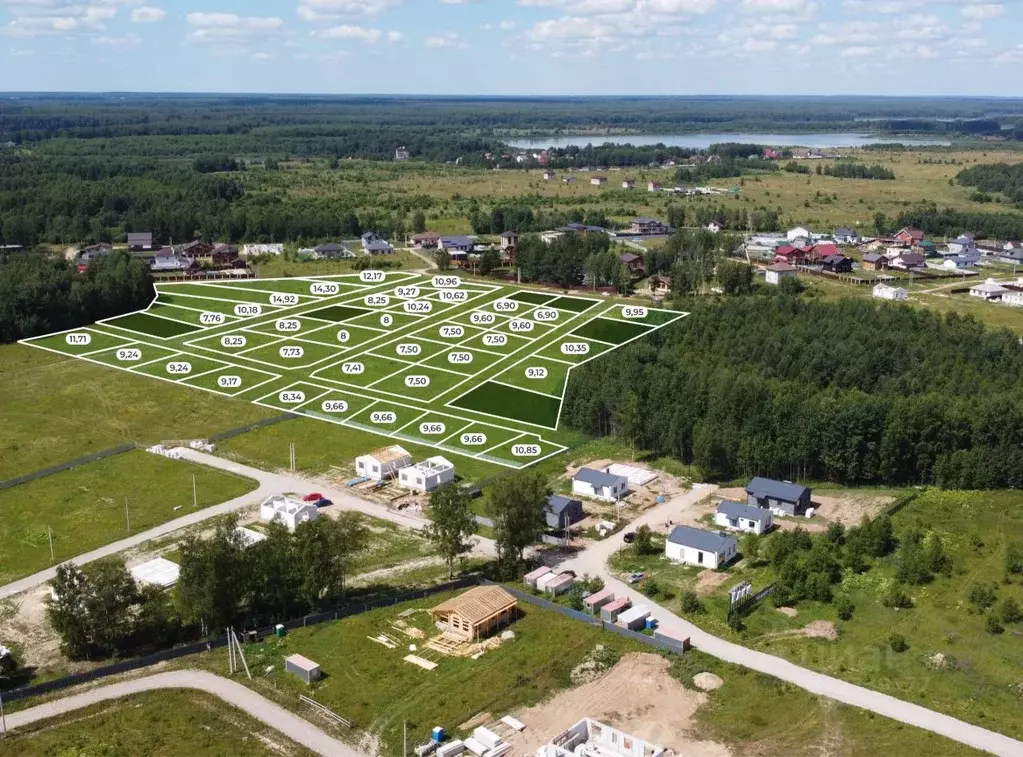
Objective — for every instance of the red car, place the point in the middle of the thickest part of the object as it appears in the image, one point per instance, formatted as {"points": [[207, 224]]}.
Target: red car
{"points": [[315, 497]]}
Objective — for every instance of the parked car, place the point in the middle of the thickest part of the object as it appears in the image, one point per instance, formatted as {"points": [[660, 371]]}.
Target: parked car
{"points": [[629, 537], [317, 499], [635, 578]]}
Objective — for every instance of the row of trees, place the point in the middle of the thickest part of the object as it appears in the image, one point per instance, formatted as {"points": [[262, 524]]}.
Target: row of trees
{"points": [[846, 391], [995, 177], [853, 170], [948, 222], [40, 294]]}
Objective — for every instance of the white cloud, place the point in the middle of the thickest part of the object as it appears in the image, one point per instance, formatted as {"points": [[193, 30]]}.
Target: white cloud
{"points": [[262, 56], [332, 10], [147, 15], [218, 27], [127, 40], [446, 40], [349, 31], [860, 51], [507, 25], [983, 11], [395, 36]]}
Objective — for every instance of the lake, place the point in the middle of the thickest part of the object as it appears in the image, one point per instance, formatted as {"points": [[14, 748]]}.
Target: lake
{"points": [[703, 141]]}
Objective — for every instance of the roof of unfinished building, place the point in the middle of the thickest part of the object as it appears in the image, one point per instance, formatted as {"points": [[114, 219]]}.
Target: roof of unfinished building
{"points": [[478, 604], [386, 455]]}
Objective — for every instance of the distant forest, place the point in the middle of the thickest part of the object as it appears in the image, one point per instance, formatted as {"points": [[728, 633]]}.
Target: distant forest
{"points": [[848, 391], [995, 177]]}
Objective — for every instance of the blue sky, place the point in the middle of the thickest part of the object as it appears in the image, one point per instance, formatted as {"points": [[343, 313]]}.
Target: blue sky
{"points": [[910, 47]]}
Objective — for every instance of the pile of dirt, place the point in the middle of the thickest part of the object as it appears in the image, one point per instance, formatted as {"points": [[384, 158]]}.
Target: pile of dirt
{"points": [[709, 580], [707, 681], [789, 612], [821, 629], [637, 696], [593, 667]]}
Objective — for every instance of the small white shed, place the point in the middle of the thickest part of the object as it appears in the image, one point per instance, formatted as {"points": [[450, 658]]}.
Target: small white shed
{"points": [[287, 510], [427, 475], [302, 667], [383, 463], [635, 618], [159, 572]]}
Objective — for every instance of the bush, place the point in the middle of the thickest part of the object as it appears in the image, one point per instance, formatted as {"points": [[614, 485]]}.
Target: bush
{"points": [[981, 596], [735, 622], [644, 544], [782, 596], [690, 603], [844, 607], [1010, 611], [898, 643], [992, 626], [896, 597]]}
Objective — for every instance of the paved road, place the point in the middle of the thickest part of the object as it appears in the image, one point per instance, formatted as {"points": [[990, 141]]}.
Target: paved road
{"points": [[235, 694], [594, 562]]}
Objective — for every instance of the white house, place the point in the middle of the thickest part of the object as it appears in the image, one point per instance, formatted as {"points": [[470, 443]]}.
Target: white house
{"points": [[707, 549], [988, 290], [427, 475], [885, 292], [778, 271], [1013, 299], [737, 516], [845, 235], [383, 463], [715, 227], [800, 232], [962, 244], [262, 249], [599, 485], [593, 737], [287, 510], [598, 181]]}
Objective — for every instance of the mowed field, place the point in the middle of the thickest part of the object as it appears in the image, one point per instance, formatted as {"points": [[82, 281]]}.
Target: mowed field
{"points": [[470, 368], [157, 724], [85, 507]]}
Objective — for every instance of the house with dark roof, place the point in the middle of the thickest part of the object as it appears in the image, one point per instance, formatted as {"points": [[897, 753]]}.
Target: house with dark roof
{"points": [[736, 516], [845, 235], [837, 264], [873, 261], [634, 263], [93, 252], [332, 251], [562, 511], [580, 228], [378, 247], [166, 260], [649, 227], [909, 261], [780, 497], [599, 485], [705, 549], [140, 241], [428, 240], [456, 244], [1011, 257]]}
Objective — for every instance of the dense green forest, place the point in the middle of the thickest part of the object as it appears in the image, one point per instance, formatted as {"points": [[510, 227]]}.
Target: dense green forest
{"points": [[39, 295], [848, 391], [995, 177], [851, 170], [948, 222]]}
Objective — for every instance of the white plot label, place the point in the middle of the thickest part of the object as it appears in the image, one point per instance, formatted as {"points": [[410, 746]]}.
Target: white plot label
{"points": [[292, 353], [289, 325], [452, 332], [212, 319], [324, 288], [248, 311], [353, 369], [453, 295], [546, 315], [383, 418], [495, 340], [291, 398], [229, 382], [418, 307], [519, 326], [417, 382], [78, 340], [432, 429], [283, 300], [129, 355], [575, 348], [179, 368], [536, 373], [447, 282], [386, 320], [506, 306], [474, 440], [371, 277], [408, 350], [233, 341], [483, 319], [632, 311], [377, 300], [406, 293], [335, 406], [460, 358], [343, 335], [526, 450]]}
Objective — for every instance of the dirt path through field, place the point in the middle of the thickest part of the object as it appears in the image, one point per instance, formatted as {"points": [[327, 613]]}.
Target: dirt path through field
{"points": [[637, 696]]}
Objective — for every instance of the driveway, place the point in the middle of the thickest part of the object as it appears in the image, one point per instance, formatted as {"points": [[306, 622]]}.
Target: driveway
{"points": [[234, 694], [594, 562]]}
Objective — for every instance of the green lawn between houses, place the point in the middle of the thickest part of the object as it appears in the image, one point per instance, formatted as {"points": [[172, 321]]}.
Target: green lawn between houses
{"points": [[981, 677]]}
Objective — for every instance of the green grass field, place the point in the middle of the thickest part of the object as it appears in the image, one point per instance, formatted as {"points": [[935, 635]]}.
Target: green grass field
{"points": [[407, 342], [85, 506], [980, 681], [157, 724]]}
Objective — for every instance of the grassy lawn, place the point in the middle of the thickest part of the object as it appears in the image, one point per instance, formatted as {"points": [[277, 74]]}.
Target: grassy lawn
{"points": [[56, 408], [509, 402], [979, 678], [85, 506], [157, 724]]}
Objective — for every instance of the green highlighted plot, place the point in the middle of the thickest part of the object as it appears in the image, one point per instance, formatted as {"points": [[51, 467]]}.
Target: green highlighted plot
{"points": [[653, 317], [447, 332], [231, 380], [189, 316], [385, 416], [499, 342], [536, 298], [409, 348], [294, 354], [573, 304], [419, 382], [230, 292], [479, 437], [234, 342], [344, 336], [287, 286], [361, 370], [613, 332], [131, 355], [179, 367], [143, 323], [456, 360], [574, 350], [335, 406], [376, 320], [537, 375], [197, 304], [80, 341], [509, 402], [336, 313]]}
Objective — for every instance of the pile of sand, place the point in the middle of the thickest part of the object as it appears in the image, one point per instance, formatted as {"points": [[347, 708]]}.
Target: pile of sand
{"points": [[790, 612], [821, 629], [707, 681]]}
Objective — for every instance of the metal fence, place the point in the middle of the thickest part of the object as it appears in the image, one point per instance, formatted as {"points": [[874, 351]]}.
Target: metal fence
{"points": [[102, 454], [231, 433], [124, 666]]}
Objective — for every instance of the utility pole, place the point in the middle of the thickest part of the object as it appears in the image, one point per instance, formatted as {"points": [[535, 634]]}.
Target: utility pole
{"points": [[404, 738], [230, 653], [127, 518], [195, 493], [3, 718], [49, 534]]}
